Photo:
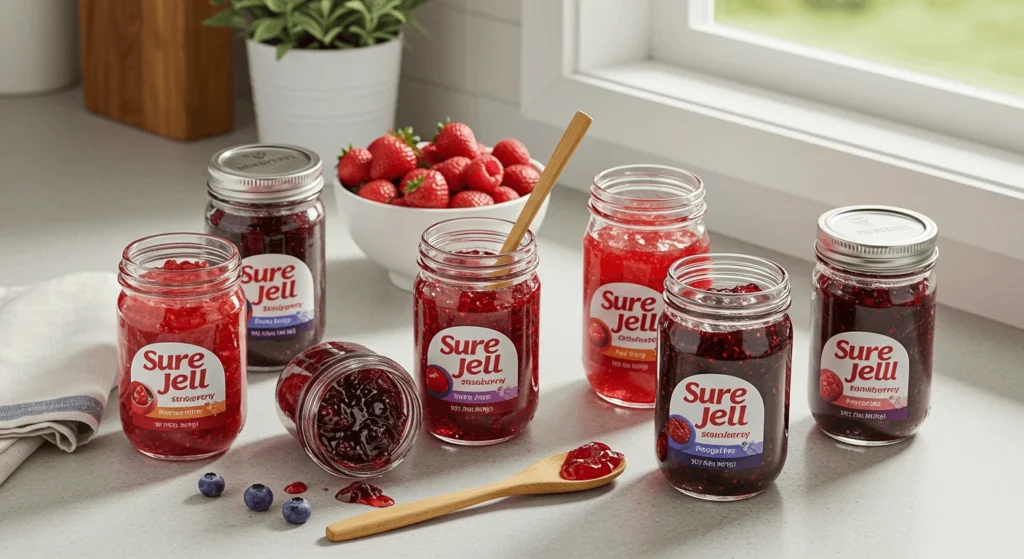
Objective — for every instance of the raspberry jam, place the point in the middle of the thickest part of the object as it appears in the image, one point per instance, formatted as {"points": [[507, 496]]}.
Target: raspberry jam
{"points": [[356, 413], [477, 329], [643, 218], [295, 488], [181, 342], [726, 347], [266, 200], [872, 324], [590, 461], [364, 494]]}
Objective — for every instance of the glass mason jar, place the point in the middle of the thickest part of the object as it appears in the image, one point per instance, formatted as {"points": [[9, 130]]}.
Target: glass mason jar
{"points": [[872, 323], [725, 356], [266, 200], [355, 413], [181, 341], [643, 218], [477, 329]]}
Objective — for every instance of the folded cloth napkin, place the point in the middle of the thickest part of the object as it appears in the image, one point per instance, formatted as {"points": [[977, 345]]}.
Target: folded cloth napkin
{"points": [[58, 361]]}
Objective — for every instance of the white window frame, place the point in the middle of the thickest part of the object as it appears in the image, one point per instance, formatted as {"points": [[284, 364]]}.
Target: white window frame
{"points": [[601, 56]]}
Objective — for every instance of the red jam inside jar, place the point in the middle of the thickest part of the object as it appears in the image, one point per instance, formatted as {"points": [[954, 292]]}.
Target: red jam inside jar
{"points": [[872, 324], [477, 330], [726, 347], [355, 413], [266, 200], [181, 339], [643, 218], [590, 461]]}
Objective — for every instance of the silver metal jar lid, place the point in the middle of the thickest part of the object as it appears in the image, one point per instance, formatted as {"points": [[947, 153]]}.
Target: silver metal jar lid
{"points": [[879, 239], [265, 174]]}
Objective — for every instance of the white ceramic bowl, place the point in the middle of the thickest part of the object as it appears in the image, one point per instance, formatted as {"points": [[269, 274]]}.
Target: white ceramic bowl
{"points": [[390, 235]]}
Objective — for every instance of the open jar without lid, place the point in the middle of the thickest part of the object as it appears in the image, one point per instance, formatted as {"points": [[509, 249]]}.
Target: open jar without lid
{"points": [[355, 413], [872, 323]]}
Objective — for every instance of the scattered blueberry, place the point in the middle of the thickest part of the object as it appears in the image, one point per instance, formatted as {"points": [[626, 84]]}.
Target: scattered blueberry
{"points": [[296, 510], [258, 497], [211, 485]]}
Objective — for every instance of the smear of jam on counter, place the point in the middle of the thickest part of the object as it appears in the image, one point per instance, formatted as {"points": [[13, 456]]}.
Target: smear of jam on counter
{"points": [[295, 488], [366, 494]]}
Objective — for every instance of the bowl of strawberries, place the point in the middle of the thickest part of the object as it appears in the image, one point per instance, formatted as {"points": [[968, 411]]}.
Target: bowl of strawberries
{"points": [[389, 192]]}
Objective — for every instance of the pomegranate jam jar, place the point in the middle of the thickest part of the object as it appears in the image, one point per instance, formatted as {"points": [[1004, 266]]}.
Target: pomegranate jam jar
{"points": [[266, 200], [355, 413], [181, 345], [643, 218], [725, 354], [477, 329], [872, 323]]}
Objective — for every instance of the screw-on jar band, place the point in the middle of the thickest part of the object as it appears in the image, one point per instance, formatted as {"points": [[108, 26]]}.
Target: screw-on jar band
{"points": [[265, 174], [877, 239]]}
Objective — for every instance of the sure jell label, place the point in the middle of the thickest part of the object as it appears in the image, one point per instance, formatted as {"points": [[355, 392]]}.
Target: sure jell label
{"points": [[865, 376], [279, 289], [716, 422], [177, 386], [623, 329], [475, 369]]}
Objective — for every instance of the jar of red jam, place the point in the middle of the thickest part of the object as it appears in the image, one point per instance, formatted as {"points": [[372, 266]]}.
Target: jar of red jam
{"points": [[181, 342], [355, 413], [872, 323], [643, 218], [477, 329], [266, 200], [726, 350]]}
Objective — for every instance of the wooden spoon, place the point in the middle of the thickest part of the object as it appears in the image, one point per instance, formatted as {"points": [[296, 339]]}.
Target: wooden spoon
{"points": [[541, 478]]}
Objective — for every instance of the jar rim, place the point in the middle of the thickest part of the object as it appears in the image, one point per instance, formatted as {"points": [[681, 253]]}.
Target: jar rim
{"points": [[770, 277], [141, 268], [646, 195], [444, 247]]}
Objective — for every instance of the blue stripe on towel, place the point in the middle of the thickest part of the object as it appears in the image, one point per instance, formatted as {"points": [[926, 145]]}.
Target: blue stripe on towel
{"points": [[80, 404]]}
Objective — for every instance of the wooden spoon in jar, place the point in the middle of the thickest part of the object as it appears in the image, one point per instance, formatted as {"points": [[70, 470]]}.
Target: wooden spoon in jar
{"points": [[542, 478]]}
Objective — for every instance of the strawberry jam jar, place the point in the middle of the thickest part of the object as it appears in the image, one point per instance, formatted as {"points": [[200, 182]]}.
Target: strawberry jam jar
{"points": [[355, 413], [726, 349], [643, 218], [477, 330], [181, 345], [872, 323], [266, 200]]}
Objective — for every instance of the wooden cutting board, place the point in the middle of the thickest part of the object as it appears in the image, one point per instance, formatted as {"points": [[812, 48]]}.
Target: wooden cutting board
{"points": [[154, 65]]}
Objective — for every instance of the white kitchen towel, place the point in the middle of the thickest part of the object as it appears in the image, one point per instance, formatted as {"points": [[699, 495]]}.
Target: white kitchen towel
{"points": [[58, 361]]}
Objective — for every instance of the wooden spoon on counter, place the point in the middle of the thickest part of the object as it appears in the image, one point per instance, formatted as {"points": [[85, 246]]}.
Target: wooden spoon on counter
{"points": [[544, 477]]}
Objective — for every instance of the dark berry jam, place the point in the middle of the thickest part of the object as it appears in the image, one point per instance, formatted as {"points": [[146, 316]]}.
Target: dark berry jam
{"points": [[722, 413], [295, 488], [364, 494], [181, 327], [590, 461]]}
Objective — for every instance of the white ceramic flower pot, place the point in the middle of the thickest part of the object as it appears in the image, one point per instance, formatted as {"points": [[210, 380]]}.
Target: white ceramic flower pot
{"points": [[325, 99], [39, 40]]}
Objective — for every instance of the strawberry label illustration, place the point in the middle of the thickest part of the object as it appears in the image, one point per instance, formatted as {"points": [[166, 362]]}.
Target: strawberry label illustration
{"points": [[177, 386], [476, 369], [865, 376], [716, 422], [623, 326], [279, 289]]}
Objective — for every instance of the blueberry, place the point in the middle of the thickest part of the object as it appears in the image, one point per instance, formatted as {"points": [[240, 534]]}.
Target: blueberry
{"points": [[211, 485], [296, 510], [258, 497]]}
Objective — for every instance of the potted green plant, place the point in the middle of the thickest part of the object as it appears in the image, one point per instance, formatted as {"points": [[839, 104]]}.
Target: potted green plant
{"points": [[324, 73]]}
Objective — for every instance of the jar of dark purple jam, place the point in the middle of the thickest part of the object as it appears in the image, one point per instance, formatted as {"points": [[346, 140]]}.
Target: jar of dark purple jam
{"points": [[725, 350], [872, 323], [266, 200]]}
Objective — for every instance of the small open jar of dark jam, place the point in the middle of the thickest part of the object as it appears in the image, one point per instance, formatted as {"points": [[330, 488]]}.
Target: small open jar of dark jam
{"points": [[356, 413], [872, 323], [266, 200], [725, 353]]}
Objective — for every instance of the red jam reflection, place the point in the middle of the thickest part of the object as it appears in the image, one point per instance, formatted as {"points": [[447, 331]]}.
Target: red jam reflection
{"points": [[364, 494], [590, 461]]}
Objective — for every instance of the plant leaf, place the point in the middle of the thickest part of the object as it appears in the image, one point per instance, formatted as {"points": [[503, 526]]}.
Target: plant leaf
{"points": [[243, 4], [277, 6], [325, 8], [302, 22], [227, 17], [283, 48], [266, 29]]}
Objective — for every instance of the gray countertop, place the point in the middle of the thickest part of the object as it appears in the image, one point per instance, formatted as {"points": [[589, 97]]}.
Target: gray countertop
{"points": [[77, 188]]}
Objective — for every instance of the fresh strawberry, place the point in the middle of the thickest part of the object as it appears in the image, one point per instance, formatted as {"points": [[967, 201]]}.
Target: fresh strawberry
{"points": [[452, 170], [354, 166], [379, 191], [483, 174], [453, 139], [471, 199], [504, 194], [392, 158], [398, 202], [511, 152], [425, 188], [428, 156], [522, 178]]}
